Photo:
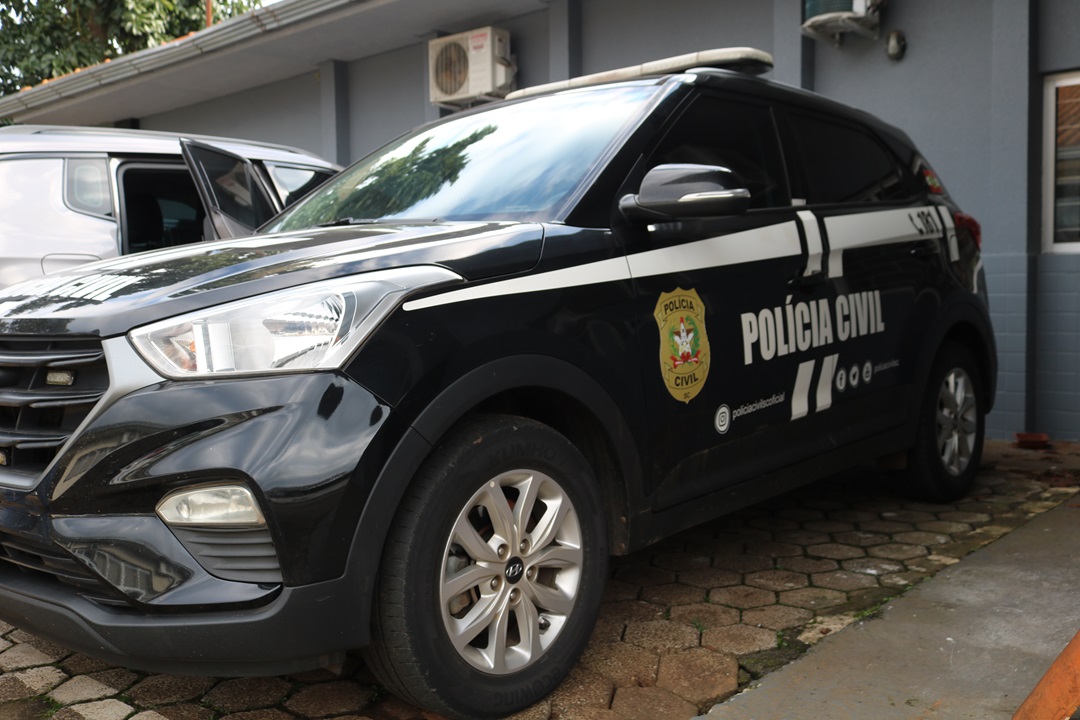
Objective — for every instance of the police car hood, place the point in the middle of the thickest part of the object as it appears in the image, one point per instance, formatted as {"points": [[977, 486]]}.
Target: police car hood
{"points": [[109, 298]]}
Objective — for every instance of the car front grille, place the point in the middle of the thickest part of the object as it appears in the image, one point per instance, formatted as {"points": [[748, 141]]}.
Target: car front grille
{"points": [[47, 387]]}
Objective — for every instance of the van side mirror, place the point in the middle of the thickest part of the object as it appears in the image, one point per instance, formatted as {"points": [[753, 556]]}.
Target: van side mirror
{"points": [[683, 190]]}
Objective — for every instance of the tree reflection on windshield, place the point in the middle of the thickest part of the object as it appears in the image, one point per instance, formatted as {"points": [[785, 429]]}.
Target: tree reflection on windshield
{"points": [[396, 184], [514, 161]]}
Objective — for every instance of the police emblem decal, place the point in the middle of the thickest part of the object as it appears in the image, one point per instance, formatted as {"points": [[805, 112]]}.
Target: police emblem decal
{"points": [[684, 344]]}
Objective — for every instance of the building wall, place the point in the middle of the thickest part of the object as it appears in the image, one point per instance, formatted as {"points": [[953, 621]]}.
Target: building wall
{"points": [[964, 99], [283, 112], [1057, 302], [617, 33]]}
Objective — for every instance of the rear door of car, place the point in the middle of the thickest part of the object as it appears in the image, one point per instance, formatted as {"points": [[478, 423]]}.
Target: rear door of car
{"points": [[236, 199], [882, 248], [720, 356]]}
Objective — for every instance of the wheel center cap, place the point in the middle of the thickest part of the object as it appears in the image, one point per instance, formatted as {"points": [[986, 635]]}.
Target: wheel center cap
{"points": [[515, 569]]}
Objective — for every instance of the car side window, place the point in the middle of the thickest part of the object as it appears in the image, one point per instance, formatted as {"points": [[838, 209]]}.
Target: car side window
{"points": [[86, 186], [844, 163], [161, 207], [740, 136], [293, 182]]}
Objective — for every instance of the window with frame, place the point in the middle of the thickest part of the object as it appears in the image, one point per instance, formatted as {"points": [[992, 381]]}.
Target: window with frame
{"points": [[1061, 212], [844, 163], [739, 136]]}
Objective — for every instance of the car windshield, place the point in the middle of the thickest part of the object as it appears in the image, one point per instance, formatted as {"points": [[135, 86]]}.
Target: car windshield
{"points": [[520, 161]]}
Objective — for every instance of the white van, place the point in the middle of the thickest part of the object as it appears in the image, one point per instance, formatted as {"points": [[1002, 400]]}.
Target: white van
{"points": [[71, 195]]}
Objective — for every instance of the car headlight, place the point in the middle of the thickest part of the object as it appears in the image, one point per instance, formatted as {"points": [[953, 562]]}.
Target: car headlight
{"points": [[305, 328]]}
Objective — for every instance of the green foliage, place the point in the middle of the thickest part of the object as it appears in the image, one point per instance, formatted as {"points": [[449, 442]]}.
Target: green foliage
{"points": [[42, 39]]}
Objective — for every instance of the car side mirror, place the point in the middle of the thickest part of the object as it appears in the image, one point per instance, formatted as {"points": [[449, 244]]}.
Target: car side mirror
{"points": [[683, 190]]}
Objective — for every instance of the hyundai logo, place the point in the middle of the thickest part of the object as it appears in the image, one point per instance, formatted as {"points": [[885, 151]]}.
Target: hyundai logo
{"points": [[514, 570]]}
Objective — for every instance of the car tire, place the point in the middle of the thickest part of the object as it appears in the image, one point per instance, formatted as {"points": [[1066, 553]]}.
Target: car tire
{"points": [[493, 571], [952, 422]]}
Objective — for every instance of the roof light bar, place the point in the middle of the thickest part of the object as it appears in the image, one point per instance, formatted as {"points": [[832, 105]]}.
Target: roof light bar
{"points": [[743, 59]]}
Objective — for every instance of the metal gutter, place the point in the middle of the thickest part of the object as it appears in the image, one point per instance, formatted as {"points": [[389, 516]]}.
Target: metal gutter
{"points": [[228, 33]]}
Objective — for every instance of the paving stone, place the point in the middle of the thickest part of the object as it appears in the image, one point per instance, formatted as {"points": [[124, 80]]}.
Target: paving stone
{"points": [[631, 611], [617, 590], [931, 563], [4, 644], [591, 713], [886, 526], [582, 688], [624, 664], [898, 551], [149, 715], [802, 537], [704, 615], [777, 617], [829, 526], [773, 549], [259, 715], [844, 580], [661, 636], [823, 626], [853, 516], [835, 551], [711, 578], [910, 516], [645, 576], [607, 629], [777, 580], [81, 689], [902, 579], [773, 523], [23, 656], [100, 710], [748, 535], [167, 689], [333, 698], [51, 649], [118, 679], [247, 693], [31, 709], [539, 711], [699, 676], [859, 601], [738, 639], [964, 517], [812, 598], [682, 561], [861, 538], [187, 711], [921, 537], [741, 596], [985, 533], [651, 703], [873, 566], [818, 502], [742, 563], [944, 526], [38, 679], [807, 565], [723, 545], [79, 664], [673, 594]]}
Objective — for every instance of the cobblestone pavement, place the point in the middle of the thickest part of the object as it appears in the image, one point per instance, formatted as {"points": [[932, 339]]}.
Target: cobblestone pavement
{"points": [[684, 624]]}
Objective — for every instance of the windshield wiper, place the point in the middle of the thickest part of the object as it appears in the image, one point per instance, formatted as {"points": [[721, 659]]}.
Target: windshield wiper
{"points": [[350, 221]]}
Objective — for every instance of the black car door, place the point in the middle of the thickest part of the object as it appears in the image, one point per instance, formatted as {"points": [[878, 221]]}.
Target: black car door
{"points": [[733, 302]]}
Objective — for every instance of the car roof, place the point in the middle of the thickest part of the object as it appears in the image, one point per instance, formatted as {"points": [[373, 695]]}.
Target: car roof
{"points": [[74, 139]]}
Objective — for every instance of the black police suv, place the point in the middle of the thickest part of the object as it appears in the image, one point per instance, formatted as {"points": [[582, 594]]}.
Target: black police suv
{"points": [[419, 409]]}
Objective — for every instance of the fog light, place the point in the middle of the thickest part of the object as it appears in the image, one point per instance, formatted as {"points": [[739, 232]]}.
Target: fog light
{"points": [[214, 506]]}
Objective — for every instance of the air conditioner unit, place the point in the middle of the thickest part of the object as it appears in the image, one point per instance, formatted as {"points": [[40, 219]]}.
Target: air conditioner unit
{"points": [[829, 19], [470, 67]]}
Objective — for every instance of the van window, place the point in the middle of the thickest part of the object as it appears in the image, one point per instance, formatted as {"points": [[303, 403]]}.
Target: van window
{"points": [[86, 186]]}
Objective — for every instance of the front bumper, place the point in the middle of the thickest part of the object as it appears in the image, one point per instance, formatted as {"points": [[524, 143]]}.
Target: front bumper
{"points": [[91, 566]]}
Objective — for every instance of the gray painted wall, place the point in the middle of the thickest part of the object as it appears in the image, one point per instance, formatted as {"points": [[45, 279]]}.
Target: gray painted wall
{"points": [[963, 98], [284, 112]]}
